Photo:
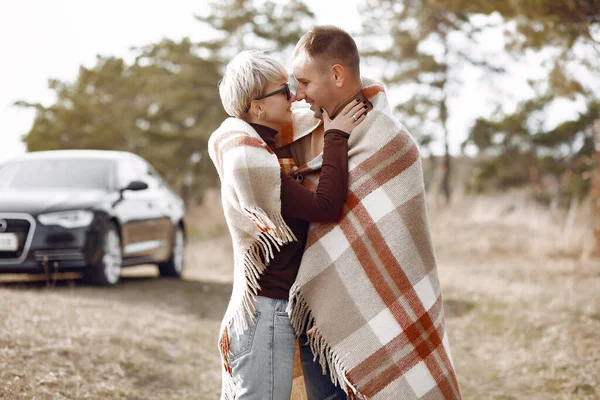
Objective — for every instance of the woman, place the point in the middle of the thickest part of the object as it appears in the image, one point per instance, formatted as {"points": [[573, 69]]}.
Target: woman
{"points": [[267, 212]]}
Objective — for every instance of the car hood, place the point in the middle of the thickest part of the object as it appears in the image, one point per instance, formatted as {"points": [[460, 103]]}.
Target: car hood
{"points": [[40, 201]]}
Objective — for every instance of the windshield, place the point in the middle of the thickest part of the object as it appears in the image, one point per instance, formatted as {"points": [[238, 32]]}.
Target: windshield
{"points": [[56, 174]]}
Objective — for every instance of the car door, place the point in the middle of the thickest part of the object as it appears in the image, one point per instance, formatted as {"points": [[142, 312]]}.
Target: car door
{"points": [[161, 230], [136, 212]]}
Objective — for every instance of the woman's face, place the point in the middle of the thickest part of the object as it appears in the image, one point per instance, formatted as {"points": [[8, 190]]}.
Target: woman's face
{"points": [[277, 104]]}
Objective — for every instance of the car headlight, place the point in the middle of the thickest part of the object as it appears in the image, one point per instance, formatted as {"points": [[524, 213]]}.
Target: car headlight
{"points": [[68, 219]]}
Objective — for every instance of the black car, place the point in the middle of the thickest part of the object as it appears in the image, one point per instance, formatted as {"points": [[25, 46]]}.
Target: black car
{"points": [[90, 211]]}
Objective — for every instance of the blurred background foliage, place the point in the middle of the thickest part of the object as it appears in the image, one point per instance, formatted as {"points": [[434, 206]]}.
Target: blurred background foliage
{"points": [[165, 104]]}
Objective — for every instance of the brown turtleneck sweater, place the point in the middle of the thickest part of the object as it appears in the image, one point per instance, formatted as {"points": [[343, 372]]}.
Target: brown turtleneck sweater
{"points": [[300, 206]]}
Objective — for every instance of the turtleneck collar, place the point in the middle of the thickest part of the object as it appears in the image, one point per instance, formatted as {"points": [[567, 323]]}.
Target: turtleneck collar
{"points": [[267, 134]]}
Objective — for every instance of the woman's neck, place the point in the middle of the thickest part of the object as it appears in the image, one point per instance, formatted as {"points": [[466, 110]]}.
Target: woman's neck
{"points": [[263, 123]]}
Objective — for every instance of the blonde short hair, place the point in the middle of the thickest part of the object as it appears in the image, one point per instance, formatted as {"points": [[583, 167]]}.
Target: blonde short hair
{"points": [[246, 77]]}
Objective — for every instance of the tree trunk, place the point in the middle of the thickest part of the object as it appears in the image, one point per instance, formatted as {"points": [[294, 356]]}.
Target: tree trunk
{"points": [[595, 192], [446, 165], [446, 175]]}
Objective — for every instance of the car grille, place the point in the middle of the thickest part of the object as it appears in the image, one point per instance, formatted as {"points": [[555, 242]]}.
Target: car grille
{"points": [[58, 255], [22, 225]]}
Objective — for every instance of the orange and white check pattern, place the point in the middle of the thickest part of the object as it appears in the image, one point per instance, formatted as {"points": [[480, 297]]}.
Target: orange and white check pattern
{"points": [[369, 282]]}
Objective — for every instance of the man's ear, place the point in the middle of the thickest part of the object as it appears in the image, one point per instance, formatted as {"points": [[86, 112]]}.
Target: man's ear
{"points": [[338, 74]]}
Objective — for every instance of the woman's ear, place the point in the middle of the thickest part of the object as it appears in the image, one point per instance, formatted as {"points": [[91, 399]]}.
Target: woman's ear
{"points": [[255, 107], [257, 110], [338, 74]]}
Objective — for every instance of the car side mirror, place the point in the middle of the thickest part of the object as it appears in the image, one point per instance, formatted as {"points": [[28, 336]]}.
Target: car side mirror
{"points": [[136, 185], [133, 186]]}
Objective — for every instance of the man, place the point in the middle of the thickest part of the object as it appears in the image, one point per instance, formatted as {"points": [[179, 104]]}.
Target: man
{"points": [[367, 290]]}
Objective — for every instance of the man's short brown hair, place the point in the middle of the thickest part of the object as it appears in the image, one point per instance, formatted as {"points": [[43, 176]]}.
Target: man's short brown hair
{"points": [[330, 44]]}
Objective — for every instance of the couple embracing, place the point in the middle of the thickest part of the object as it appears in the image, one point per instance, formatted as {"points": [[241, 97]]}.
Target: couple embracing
{"points": [[326, 211]]}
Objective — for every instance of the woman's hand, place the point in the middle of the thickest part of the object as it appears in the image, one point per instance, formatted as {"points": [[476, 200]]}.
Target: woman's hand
{"points": [[352, 115]]}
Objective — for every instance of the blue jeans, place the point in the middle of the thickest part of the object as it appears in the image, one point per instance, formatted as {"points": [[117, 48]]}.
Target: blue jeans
{"points": [[262, 358], [318, 386]]}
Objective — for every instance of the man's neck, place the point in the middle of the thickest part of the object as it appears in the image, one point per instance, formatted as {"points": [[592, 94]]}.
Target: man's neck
{"points": [[356, 94]]}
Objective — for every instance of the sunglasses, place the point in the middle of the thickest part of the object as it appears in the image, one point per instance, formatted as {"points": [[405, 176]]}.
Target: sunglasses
{"points": [[285, 90]]}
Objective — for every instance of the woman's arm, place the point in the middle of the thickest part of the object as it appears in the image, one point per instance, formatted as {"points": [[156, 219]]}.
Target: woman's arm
{"points": [[325, 205]]}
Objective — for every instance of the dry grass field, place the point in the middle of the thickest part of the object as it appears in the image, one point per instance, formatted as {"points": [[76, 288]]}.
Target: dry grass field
{"points": [[520, 288]]}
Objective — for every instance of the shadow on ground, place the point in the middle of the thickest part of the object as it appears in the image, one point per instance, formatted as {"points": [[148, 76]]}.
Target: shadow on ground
{"points": [[455, 308], [203, 299]]}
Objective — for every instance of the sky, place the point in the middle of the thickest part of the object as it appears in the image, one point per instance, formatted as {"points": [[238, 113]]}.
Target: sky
{"points": [[41, 40]]}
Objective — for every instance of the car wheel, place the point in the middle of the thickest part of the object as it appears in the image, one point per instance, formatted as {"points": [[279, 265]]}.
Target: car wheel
{"points": [[174, 266], [107, 271]]}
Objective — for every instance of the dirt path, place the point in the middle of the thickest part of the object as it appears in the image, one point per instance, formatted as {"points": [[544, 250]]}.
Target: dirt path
{"points": [[146, 338], [523, 320]]}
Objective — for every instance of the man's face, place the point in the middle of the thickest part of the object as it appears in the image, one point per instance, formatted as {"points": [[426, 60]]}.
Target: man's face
{"points": [[315, 84]]}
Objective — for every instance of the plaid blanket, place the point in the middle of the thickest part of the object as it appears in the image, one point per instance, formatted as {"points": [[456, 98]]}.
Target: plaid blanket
{"points": [[369, 282], [250, 195]]}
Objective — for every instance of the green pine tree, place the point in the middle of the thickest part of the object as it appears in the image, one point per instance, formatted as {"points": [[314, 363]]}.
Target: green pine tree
{"points": [[414, 40], [165, 105]]}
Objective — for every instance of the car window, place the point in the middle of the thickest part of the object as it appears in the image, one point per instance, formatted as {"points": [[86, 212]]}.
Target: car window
{"points": [[155, 176], [151, 177], [128, 172], [71, 173]]}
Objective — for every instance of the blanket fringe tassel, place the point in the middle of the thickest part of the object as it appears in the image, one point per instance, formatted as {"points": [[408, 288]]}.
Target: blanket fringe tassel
{"points": [[256, 258], [301, 318]]}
